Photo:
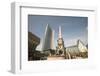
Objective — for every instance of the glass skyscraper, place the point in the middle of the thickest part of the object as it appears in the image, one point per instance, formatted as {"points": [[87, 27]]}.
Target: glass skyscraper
{"points": [[48, 40]]}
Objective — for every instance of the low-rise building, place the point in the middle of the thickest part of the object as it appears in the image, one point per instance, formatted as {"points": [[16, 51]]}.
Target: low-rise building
{"points": [[33, 41], [78, 50]]}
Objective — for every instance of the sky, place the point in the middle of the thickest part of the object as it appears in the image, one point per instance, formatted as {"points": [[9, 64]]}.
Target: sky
{"points": [[73, 28]]}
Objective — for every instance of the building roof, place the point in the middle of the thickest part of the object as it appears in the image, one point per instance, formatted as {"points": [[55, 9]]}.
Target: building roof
{"points": [[33, 38]]}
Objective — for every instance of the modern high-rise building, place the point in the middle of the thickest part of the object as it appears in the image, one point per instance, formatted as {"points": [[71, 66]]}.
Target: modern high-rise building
{"points": [[48, 41]]}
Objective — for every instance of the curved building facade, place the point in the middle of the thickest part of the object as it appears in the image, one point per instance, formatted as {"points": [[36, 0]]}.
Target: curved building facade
{"points": [[48, 38]]}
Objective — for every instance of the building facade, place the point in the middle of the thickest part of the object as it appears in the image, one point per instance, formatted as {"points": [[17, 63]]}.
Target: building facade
{"points": [[77, 51], [81, 46], [33, 42], [60, 49], [48, 41]]}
